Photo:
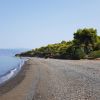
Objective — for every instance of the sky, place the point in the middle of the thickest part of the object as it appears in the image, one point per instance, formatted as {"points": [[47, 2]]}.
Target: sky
{"points": [[36, 23]]}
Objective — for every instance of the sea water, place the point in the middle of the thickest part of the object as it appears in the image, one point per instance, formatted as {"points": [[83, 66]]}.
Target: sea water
{"points": [[9, 67]]}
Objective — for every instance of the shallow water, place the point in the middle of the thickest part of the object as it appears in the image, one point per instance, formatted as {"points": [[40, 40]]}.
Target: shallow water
{"points": [[9, 66]]}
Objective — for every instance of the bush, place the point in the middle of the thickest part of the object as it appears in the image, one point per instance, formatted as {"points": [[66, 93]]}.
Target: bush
{"points": [[97, 46], [95, 54], [78, 54]]}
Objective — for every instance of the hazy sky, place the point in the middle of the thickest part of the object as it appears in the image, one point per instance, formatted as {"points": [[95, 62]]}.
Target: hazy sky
{"points": [[34, 23]]}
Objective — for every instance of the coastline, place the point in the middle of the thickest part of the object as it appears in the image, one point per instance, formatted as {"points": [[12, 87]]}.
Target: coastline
{"points": [[37, 76], [18, 86], [14, 80], [11, 73]]}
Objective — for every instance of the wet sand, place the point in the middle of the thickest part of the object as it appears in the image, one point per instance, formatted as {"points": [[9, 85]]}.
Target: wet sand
{"points": [[18, 87]]}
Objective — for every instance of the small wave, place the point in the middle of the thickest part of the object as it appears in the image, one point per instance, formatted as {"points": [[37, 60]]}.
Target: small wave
{"points": [[10, 74], [7, 76]]}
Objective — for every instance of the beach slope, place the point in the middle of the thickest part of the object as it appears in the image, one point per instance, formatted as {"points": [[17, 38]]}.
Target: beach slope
{"points": [[51, 79]]}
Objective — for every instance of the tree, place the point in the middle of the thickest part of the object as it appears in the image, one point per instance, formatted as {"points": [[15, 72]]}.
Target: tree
{"points": [[86, 36]]}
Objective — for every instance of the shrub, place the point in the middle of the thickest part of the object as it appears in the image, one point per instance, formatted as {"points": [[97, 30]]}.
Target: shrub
{"points": [[78, 54], [97, 46], [95, 54]]}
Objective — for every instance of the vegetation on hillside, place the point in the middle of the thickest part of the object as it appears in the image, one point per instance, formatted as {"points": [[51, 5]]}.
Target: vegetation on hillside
{"points": [[85, 43]]}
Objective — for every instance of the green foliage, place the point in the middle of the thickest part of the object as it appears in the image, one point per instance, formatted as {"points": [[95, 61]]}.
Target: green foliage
{"points": [[62, 50], [97, 46], [85, 41], [85, 36], [75, 52], [95, 54], [98, 38], [26, 54], [78, 53]]}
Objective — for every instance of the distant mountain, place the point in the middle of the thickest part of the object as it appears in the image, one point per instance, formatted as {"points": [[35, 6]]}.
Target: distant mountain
{"points": [[11, 52]]}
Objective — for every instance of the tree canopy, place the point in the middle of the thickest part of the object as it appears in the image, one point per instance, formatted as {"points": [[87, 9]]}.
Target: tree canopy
{"points": [[86, 36], [85, 41]]}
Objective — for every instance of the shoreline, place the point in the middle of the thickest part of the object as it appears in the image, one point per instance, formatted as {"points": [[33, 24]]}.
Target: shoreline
{"points": [[25, 85], [14, 80], [12, 72]]}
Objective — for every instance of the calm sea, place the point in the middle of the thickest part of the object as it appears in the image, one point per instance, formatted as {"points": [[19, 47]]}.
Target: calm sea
{"points": [[9, 64]]}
